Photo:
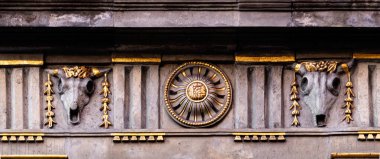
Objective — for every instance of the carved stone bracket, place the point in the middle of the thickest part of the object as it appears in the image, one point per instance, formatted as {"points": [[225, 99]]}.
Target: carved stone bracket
{"points": [[22, 137], [138, 137], [369, 135], [258, 136]]}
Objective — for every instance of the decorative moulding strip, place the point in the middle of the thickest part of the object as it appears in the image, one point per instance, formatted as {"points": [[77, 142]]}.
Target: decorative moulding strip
{"points": [[136, 60], [365, 56], [22, 137], [367, 135], [252, 137], [261, 59], [354, 155], [33, 156], [138, 137], [175, 5], [21, 62]]}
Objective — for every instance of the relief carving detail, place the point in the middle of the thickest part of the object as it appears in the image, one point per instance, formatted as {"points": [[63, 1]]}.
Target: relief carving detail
{"points": [[75, 86], [319, 88], [197, 94]]}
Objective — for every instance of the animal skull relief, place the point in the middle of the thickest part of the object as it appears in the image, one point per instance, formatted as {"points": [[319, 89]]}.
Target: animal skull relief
{"points": [[319, 87], [75, 86]]}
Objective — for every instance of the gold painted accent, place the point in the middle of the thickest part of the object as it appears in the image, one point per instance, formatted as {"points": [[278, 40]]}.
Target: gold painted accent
{"points": [[30, 138], [247, 138], [96, 72], [294, 98], [142, 138], [361, 137], [21, 138], [248, 59], [377, 137], [370, 137], [125, 138], [237, 138], [105, 101], [260, 136], [133, 138], [281, 138], [263, 138], [39, 139], [33, 156], [116, 139], [255, 138], [136, 60], [4, 138], [21, 62], [362, 56], [151, 138], [321, 66], [137, 136], [348, 101], [13, 139], [197, 91], [160, 138], [49, 101], [77, 72], [198, 99], [272, 138], [354, 155]]}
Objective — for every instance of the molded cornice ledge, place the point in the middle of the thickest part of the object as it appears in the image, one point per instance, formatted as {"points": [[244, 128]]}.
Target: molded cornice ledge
{"points": [[184, 5], [181, 13]]}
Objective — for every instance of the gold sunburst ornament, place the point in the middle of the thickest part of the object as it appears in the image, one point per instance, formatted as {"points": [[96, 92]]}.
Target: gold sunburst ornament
{"points": [[197, 94]]}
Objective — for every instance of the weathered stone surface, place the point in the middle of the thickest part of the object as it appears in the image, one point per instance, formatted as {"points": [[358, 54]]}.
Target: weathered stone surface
{"points": [[256, 94], [182, 18], [34, 98], [152, 92], [135, 106], [119, 85], [336, 19], [3, 98], [241, 97], [17, 99], [274, 98], [362, 95]]}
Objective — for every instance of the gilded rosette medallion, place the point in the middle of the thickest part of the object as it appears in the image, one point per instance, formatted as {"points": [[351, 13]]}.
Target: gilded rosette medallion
{"points": [[198, 94]]}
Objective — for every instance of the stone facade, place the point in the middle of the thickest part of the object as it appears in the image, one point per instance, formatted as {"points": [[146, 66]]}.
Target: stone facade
{"points": [[257, 45]]}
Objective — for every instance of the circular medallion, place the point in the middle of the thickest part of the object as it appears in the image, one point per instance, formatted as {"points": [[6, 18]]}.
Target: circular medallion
{"points": [[197, 94]]}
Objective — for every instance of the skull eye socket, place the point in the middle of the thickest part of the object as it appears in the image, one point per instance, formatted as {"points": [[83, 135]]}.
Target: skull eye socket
{"points": [[60, 86], [90, 87], [336, 83], [333, 85], [304, 83]]}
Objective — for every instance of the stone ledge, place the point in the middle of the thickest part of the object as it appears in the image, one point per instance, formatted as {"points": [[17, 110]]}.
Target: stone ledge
{"points": [[182, 5]]}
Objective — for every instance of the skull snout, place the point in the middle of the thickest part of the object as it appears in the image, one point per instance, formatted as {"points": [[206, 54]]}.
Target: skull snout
{"points": [[74, 113], [321, 120]]}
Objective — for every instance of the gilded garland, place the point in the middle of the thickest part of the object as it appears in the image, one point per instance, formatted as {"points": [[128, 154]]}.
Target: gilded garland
{"points": [[105, 101], [49, 101], [197, 94]]}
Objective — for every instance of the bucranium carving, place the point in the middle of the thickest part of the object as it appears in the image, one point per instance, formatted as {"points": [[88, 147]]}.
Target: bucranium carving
{"points": [[319, 87], [75, 86]]}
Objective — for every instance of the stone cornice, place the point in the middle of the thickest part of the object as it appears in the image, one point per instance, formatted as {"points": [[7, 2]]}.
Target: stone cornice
{"points": [[198, 5]]}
